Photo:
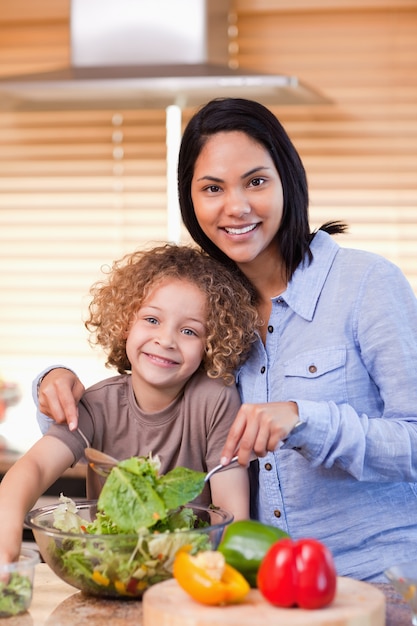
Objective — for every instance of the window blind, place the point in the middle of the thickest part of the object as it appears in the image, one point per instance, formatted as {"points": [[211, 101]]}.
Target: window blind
{"points": [[78, 189], [360, 151]]}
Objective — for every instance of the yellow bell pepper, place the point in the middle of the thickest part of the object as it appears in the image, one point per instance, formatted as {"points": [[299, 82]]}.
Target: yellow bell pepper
{"points": [[208, 579], [100, 579]]}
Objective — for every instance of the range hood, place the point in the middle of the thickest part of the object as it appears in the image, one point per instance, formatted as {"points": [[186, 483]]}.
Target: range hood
{"points": [[151, 54]]}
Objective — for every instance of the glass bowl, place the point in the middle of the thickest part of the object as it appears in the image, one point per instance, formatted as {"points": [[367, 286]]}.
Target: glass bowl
{"points": [[119, 565], [16, 583], [404, 579]]}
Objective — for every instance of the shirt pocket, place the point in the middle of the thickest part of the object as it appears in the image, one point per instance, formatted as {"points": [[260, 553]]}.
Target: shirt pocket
{"points": [[317, 375]]}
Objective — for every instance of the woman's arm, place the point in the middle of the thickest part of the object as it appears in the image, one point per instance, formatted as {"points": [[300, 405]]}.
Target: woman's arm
{"points": [[23, 484], [56, 394], [230, 491]]}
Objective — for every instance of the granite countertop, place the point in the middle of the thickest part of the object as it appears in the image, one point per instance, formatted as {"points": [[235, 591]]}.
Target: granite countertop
{"points": [[55, 603]]}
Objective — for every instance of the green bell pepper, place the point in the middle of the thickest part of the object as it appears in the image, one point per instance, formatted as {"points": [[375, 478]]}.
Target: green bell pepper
{"points": [[245, 543]]}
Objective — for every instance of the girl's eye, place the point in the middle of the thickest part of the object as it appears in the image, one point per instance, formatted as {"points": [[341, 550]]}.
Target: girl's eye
{"points": [[189, 332], [151, 320]]}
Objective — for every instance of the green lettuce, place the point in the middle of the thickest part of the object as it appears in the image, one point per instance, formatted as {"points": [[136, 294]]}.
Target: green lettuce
{"points": [[15, 594], [135, 496]]}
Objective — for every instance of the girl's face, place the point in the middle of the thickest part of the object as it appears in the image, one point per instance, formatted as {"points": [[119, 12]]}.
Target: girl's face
{"points": [[237, 197], [166, 342]]}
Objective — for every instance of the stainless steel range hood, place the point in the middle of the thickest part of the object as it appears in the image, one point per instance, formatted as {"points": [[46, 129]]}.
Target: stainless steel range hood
{"points": [[151, 53]]}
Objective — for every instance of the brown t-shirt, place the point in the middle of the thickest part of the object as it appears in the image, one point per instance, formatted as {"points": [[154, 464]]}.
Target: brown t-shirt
{"points": [[190, 432]]}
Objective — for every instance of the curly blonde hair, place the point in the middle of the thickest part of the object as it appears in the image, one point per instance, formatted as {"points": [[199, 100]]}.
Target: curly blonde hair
{"points": [[232, 319]]}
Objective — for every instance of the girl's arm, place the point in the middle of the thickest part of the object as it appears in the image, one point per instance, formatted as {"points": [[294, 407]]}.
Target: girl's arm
{"points": [[230, 491], [23, 484]]}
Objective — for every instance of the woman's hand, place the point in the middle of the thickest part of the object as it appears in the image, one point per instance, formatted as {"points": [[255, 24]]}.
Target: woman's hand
{"points": [[59, 393], [259, 428]]}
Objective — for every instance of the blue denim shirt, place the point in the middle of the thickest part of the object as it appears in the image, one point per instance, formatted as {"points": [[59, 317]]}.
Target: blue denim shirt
{"points": [[342, 344]]}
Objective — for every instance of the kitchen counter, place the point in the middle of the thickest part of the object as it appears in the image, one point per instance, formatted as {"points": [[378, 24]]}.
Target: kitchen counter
{"points": [[57, 604]]}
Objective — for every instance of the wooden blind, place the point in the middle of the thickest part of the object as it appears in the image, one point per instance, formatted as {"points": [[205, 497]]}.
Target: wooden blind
{"points": [[360, 151], [77, 190], [80, 188]]}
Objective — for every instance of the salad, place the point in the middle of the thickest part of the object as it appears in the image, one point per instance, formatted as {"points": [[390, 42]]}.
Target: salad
{"points": [[15, 594], [139, 526]]}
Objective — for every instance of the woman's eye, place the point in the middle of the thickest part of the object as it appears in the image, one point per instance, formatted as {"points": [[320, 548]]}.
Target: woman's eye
{"points": [[257, 182], [212, 188], [151, 320]]}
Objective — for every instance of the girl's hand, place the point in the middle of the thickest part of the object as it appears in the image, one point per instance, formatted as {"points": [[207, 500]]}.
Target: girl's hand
{"points": [[258, 428], [59, 394], [11, 540]]}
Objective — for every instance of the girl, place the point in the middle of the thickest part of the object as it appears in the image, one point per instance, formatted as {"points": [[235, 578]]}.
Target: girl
{"points": [[175, 324]]}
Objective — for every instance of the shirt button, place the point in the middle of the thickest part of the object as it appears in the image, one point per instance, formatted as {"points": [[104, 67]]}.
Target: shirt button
{"points": [[270, 329], [312, 369], [263, 368], [277, 513], [268, 467]]}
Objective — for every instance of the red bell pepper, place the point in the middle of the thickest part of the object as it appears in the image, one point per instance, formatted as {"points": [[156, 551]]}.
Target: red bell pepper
{"points": [[298, 573]]}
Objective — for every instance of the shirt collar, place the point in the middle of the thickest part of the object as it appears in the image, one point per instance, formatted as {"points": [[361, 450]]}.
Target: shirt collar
{"points": [[307, 282]]}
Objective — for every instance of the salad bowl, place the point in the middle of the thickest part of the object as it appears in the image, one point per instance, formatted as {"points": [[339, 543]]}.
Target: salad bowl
{"points": [[121, 565], [16, 583], [403, 578]]}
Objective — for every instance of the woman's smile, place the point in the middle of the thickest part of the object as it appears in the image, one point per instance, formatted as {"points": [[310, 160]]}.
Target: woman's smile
{"points": [[237, 196], [242, 230]]}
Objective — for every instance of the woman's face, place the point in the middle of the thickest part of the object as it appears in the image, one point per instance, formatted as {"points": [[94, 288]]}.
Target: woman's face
{"points": [[238, 198]]}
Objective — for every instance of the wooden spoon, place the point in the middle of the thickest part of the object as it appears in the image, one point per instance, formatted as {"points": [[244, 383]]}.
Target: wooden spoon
{"points": [[100, 462]]}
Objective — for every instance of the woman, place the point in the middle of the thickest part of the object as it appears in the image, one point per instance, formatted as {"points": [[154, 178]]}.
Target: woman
{"points": [[330, 389]]}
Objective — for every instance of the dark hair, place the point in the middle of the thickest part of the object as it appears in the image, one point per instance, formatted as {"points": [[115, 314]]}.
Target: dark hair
{"points": [[237, 114]]}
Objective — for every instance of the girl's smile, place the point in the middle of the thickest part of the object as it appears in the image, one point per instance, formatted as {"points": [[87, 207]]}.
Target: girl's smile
{"points": [[166, 342]]}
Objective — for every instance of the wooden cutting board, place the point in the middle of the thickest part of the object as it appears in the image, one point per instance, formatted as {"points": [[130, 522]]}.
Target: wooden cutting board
{"points": [[356, 604]]}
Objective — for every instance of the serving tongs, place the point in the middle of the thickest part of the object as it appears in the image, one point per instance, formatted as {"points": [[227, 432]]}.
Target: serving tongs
{"points": [[103, 463], [100, 462]]}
